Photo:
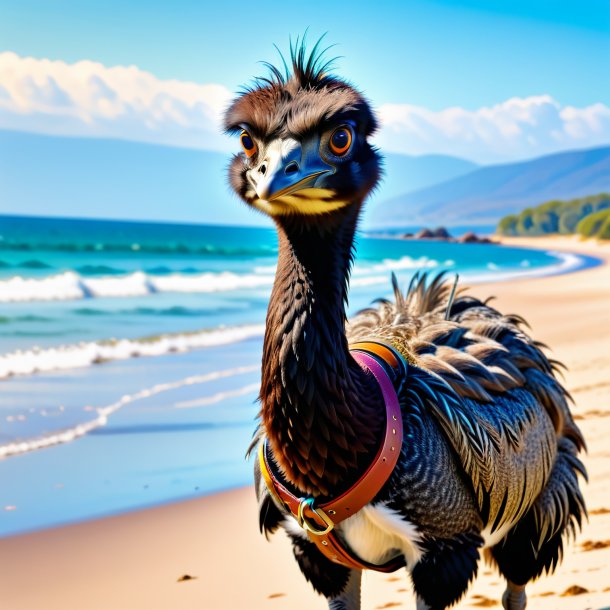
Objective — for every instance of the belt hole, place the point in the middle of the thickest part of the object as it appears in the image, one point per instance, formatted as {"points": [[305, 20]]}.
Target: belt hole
{"points": [[332, 512], [324, 543]]}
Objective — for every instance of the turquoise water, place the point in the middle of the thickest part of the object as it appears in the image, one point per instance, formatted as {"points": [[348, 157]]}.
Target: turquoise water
{"points": [[130, 354], [67, 281]]}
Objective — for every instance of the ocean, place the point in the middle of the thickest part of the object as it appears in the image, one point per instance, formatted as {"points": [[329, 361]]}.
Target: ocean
{"points": [[130, 354]]}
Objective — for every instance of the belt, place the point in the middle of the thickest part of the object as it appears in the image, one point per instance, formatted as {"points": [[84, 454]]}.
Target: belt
{"points": [[319, 521]]}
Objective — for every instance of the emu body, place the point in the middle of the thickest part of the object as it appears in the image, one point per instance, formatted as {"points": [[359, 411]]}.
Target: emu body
{"points": [[489, 456]]}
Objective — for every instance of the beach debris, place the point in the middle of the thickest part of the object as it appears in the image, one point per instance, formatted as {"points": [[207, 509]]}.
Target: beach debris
{"points": [[574, 590], [484, 602], [594, 545], [185, 577], [274, 595]]}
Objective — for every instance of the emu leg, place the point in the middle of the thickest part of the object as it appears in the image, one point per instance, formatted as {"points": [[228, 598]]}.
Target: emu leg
{"points": [[443, 574], [514, 597], [350, 598]]}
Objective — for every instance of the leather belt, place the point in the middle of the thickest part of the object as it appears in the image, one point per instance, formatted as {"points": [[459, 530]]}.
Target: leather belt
{"points": [[320, 520]]}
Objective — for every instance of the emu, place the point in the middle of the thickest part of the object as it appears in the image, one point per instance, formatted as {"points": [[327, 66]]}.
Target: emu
{"points": [[454, 409]]}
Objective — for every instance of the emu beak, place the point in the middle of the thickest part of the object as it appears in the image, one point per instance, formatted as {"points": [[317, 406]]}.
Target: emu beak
{"points": [[286, 168]]}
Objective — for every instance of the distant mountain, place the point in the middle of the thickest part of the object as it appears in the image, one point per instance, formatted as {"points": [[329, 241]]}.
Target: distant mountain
{"points": [[99, 178], [85, 177], [405, 173], [488, 193]]}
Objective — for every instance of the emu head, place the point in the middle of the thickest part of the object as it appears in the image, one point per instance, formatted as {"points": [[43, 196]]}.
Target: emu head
{"points": [[304, 138]]}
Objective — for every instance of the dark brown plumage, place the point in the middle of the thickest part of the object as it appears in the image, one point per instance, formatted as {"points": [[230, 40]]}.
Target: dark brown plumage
{"points": [[331, 413], [489, 457]]}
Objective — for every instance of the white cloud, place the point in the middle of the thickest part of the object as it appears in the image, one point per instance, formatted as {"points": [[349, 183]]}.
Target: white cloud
{"points": [[515, 129], [90, 99]]}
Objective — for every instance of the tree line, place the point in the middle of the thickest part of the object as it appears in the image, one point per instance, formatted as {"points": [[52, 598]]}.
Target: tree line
{"points": [[587, 216]]}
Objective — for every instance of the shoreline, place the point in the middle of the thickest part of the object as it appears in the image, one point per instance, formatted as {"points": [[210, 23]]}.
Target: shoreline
{"points": [[133, 561], [71, 356], [591, 254], [101, 351]]}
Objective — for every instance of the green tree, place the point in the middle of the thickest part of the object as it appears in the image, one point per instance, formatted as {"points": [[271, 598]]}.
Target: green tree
{"points": [[508, 225], [525, 224], [568, 221], [558, 216], [591, 225], [604, 230]]}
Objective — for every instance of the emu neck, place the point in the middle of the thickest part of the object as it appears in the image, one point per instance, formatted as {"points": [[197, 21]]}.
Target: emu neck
{"points": [[323, 416]]}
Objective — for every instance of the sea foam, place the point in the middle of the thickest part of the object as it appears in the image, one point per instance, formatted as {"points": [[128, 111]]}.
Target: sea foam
{"points": [[80, 355], [72, 286], [103, 413], [566, 263]]}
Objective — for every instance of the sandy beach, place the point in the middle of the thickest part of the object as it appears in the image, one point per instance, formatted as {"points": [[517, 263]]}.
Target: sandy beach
{"points": [[208, 553]]}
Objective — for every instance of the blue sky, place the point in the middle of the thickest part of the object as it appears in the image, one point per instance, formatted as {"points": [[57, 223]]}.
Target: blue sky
{"points": [[487, 81], [434, 54]]}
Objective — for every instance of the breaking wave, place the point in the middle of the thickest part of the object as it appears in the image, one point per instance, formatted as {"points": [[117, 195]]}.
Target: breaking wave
{"points": [[566, 263], [80, 355], [103, 413], [73, 286]]}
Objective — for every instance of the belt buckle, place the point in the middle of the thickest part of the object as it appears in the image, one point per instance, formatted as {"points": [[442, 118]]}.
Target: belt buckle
{"points": [[308, 524]]}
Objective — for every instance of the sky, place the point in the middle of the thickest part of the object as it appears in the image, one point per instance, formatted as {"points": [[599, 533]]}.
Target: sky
{"points": [[434, 53], [489, 81]]}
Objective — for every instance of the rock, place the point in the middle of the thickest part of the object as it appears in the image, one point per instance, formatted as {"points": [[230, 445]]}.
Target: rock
{"points": [[424, 234], [468, 238], [472, 238], [441, 233]]}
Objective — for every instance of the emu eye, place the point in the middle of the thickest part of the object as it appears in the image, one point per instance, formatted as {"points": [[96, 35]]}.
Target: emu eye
{"points": [[247, 143], [340, 141]]}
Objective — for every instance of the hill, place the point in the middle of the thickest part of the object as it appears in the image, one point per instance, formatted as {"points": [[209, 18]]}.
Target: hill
{"points": [[100, 178], [488, 193]]}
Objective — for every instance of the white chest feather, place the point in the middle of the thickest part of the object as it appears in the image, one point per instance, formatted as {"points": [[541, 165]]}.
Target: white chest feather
{"points": [[378, 533]]}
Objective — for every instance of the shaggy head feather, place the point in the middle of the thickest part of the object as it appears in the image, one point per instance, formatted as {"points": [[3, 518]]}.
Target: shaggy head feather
{"points": [[290, 120]]}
